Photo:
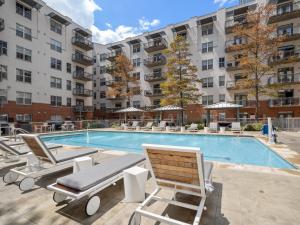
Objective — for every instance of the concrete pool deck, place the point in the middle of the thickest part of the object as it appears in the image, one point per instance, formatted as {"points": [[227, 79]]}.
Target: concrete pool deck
{"points": [[241, 198]]}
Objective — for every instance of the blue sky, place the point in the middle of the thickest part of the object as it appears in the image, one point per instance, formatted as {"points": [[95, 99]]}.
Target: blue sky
{"points": [[114, 20]]}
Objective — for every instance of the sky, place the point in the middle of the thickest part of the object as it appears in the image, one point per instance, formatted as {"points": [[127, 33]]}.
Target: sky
{"points": [[114, 20]]}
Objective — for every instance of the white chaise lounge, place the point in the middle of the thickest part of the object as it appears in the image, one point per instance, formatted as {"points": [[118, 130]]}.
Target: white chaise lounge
{"points": [[134, 125], [45, 162], [161, 126], [90, 181], [236, 127], [180, 170], [213, 127], [148, 126], [193, 127]]}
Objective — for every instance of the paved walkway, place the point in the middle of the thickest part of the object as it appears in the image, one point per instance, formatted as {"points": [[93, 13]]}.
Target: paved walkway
{"points": [[291, 139], [241, 198]]}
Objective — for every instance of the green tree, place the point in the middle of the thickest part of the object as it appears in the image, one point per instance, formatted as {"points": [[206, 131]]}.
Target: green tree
{"points": [[180, 87]]}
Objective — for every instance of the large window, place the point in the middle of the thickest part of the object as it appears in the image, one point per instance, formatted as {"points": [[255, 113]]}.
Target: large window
{"points": [[55, 26], [23, 76], [69, 102], [3, 48], [55, 64], [23, 53], [207, 100], [136, 48], [55, 100], [102, 81], [23, 98], [221, 62], [23, 32], [69, 68], [221, 98], [3, 72], [136, 75], [207, 64], [136, 62], [23, 10], [23, 117], [207, 47], [55, 45], [55, 82], [221, 81], [102, 57], [69, 85], [207, 82], [207, 29]]}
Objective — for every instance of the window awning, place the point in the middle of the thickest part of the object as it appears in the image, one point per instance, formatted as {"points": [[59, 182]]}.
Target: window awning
{"points": [[134, 41], [223, 105], [59, 18], [206, 20], [116, 46], [180, 28], [83, 32], [32, 3]]}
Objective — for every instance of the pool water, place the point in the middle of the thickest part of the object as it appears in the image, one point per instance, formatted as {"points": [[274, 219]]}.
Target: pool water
{"points": [[230, 149]]}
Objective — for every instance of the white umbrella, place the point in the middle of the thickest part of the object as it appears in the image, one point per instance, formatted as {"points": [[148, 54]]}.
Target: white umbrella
{"points": [[128, 110], [167, 108]]}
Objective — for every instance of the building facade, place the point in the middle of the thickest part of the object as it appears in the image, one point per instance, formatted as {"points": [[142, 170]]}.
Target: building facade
{"points": [[210, 38], [45, 64]]}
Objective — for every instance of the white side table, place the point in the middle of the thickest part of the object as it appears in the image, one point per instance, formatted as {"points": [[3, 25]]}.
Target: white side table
{"points": [[134, 184], [138, 128], [222, 129], [82, 163], [206, 129], [168, 128]]}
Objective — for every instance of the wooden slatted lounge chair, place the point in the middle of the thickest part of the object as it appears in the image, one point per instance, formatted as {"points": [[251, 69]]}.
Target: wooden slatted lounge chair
{"points": [[134, 125], [90, 181], [161, 127], [47, 162], [178, 169], [148, 126], [193, 127], [236, 127]]}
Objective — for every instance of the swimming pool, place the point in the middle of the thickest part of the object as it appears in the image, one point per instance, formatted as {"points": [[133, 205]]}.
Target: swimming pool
{"points": [[230, 149]]}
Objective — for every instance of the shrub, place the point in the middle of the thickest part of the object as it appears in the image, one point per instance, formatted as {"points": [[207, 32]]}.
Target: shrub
{"points": [[200, 126], [253, 127]]}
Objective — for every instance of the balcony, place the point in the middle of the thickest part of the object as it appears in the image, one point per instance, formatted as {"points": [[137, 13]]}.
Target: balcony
{"points": [[82, 42], [113, 54], [233, 66], [2, 25], [82, 92], [233, 85], [285, 56], [295, 35], [236, 21], [285, 11], [153, 77], [156, 92], [155, 61], [82, 109], [82, 59], [285, 79], [80, 75], [235, 45], [157, 44], [284, 102]]}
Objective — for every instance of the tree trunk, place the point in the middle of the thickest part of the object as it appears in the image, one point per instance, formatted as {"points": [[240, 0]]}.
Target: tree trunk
{"points": [[256, 97]]}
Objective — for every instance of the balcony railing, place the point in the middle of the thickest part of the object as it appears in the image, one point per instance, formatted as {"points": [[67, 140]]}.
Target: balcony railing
{"points": [[152, 77], [82, 42], [113, 54], [285, 11], [154, 93], [233, 85], [283, 102], [287, 56], [245, 103], [80, 75], [82, 92], [155, 61], [155, 45], [2, 25], [110, 83], [285, 79], [235, 45], [82, 109], [240, 20], [82, 59], [290, 36], [233, 65]]}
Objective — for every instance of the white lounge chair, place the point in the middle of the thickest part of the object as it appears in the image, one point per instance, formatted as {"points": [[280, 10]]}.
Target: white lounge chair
{"points": [[134, 125], [148, 126], [193, 127], [161, 126], [236, 127], [213, 127], [90, 181], [47, 162], [180, 170]]}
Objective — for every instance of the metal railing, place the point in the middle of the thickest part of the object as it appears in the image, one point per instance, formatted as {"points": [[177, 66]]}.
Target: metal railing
{"points": [[83, 59], [82, 92], [154, 77], [292, 54], [82, 42], [114, 53], [81, 75], [288, 124], [284, 78], [79, 108], [286, 8], [282, 102], [156, 44], [236, 20], [154, 92], [155, 60]]}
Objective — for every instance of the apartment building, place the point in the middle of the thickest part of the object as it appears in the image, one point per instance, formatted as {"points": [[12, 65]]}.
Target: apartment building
{"points": [[45, 64], [210, 37]]}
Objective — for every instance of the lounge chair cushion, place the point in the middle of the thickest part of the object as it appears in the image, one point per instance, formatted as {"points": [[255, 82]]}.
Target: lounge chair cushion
{"points": [[68, 155], [207, 170], [88, 178]]}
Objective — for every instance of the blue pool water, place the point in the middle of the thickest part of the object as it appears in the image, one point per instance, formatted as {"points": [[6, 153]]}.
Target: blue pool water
{"points": [[240, 150]]}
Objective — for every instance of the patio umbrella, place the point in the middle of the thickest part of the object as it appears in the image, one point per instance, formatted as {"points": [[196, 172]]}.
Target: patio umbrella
{"points": [[129, 110], [167, 108]]}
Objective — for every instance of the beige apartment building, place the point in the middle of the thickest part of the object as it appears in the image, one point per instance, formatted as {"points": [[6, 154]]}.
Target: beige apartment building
{"points": [[45, 64]]}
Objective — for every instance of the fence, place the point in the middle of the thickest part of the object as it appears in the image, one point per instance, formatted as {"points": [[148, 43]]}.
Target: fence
{"points": [[288, 124]]}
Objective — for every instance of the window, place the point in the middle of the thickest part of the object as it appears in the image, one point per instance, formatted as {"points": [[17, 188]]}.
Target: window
{"points": [[102, 69], [94, 71], [136, 62], [102, 57], [23, 98], [221, 81], [102, 82], [95, 59], [136, 104], [285, 30], [23, 53], [3, 72], [23, 32], [207, 82], [207, 100], [55, 45], [118, 105], [55, 26], [23, 76], [3, 96], [207, 29], [94, 83], [207, 47], [102, 106], [55, 82], [23, 10], [69, 68], [69, 85], [55, 100], [3, 48], [69, 102], [207, 64], [23, 117], [102, 94], [221, 62], [156, 102], [55, 64], [136, 75], [221, 98], [136, 48], [95, 95]]}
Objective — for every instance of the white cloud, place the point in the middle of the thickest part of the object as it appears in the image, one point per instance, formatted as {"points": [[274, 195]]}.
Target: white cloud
{"points": [[82, 12], [223, 2]]}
